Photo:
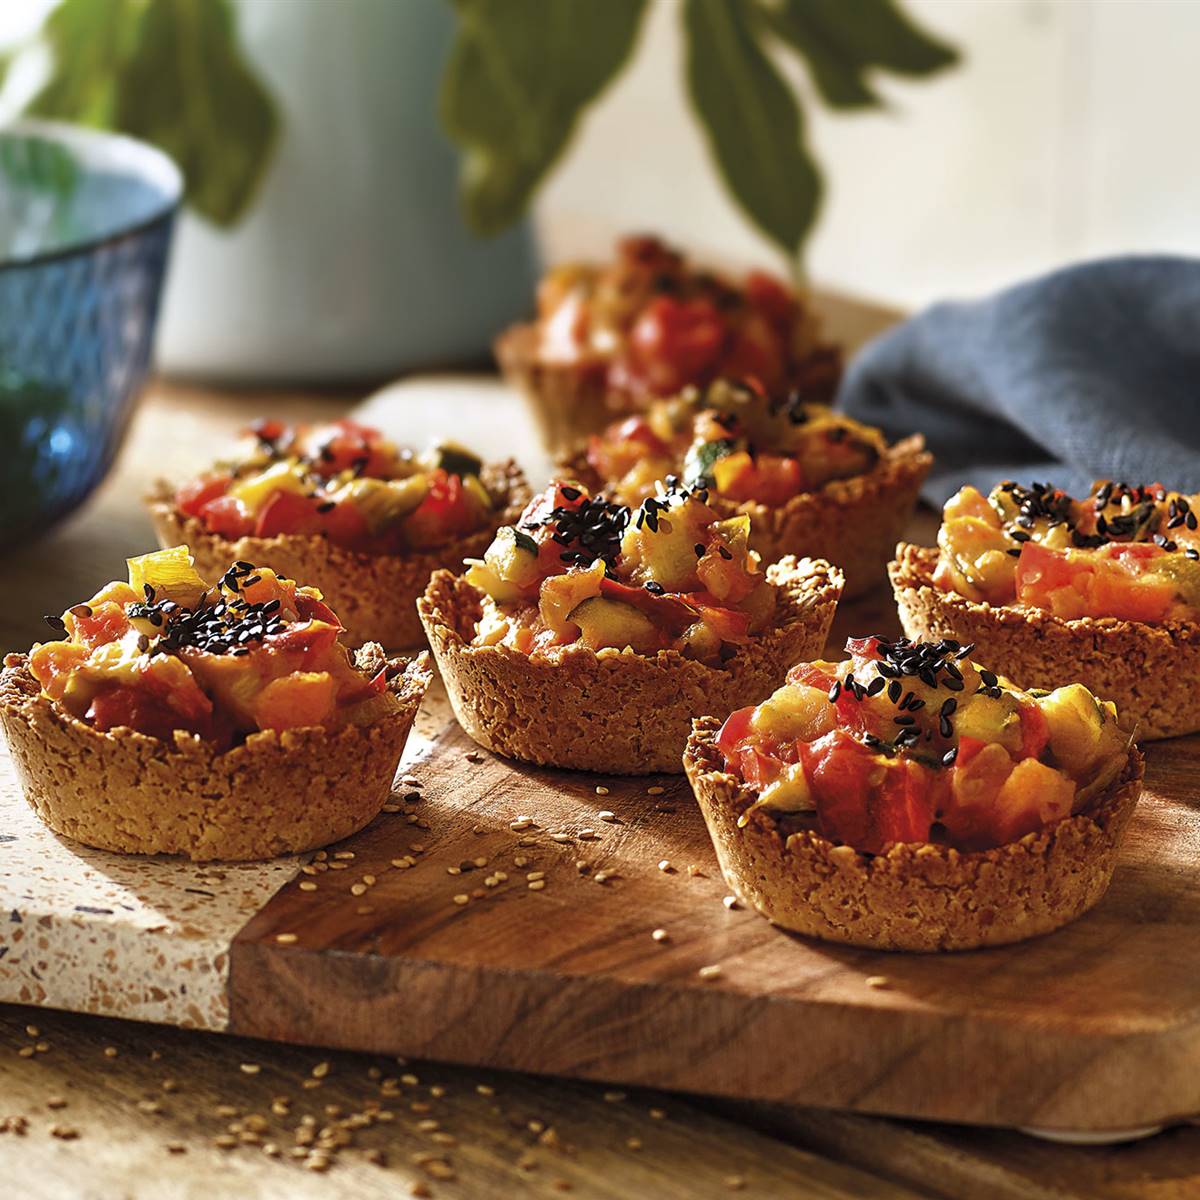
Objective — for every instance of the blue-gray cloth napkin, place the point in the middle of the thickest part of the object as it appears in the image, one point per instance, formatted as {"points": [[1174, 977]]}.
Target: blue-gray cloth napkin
{"points": [[1090, 372]]}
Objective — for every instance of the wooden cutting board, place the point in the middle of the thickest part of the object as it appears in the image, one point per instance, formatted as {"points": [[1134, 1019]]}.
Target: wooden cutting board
{"points": [[456, 957]]}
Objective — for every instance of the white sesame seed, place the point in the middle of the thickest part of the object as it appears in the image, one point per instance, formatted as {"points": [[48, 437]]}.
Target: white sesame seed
{"points": [[709, 973], [536, 885], [601, 790], [607, 815], [307, 885], [520, 861], [462, 898], [655, 790], [660, 935], [561, 838], [878, 981], [532, 875], [730, 902], [286, 939], [665, 865], [249, 1068]]}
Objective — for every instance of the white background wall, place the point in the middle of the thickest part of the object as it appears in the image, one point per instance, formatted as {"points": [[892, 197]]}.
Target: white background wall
{"points": [[1068, 131]]}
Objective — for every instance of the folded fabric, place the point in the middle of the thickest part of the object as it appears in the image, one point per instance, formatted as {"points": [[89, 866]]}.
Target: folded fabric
{"points": [[1090, 372]]}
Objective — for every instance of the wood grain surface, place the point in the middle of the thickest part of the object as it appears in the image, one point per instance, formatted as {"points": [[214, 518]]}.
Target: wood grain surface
{"points": [[110, 1110], [1093, 1027]]}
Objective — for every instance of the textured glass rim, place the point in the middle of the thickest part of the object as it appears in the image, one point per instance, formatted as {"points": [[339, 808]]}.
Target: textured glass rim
{"points": [[98, 147]]}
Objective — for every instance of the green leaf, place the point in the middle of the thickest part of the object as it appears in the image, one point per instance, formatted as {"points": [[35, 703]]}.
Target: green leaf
{"points": [[186, 88], [841, 40], [519, 75], [754, 124], [88, 42]]}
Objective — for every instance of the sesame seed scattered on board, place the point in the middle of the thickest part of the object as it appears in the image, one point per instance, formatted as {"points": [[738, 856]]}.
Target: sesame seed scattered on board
{"points": [[536, 885], [607, 815], [286, 939], [307, 885], [462, 898], [249, 1068], [665, 865], [655, 790], [730, 902], [601, 790], [878, 981], [710, 972], [660, 935]]}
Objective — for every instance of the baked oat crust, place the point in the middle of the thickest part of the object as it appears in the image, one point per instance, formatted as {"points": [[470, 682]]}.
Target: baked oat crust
{"points": [[277, 793], [614, 711], [913, 896], [853, 523], [568, 404], [374, 595], [1148, 671]]}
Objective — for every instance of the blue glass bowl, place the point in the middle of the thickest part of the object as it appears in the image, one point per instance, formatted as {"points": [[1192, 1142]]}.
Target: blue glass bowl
{"points": [[85, 223]]}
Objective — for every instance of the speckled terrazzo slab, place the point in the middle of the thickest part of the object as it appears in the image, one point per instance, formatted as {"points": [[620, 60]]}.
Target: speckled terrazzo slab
{"points": [[120, 935]]}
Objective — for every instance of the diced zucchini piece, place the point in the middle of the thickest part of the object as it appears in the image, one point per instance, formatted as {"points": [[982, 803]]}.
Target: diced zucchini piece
{"points": [[457, 460], [603, 622]]}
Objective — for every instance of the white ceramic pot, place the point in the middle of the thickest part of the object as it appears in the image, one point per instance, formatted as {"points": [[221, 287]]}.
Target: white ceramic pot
{"points": [[354, 261]]}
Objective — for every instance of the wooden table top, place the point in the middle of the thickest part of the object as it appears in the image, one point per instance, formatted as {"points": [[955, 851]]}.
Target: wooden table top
{"points": [[95, 1107]]}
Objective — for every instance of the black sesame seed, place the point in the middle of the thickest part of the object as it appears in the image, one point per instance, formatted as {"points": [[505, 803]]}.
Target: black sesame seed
{"points": [[835, 691], [655, 589], [54, 622], [876, 685], [949, 757]]}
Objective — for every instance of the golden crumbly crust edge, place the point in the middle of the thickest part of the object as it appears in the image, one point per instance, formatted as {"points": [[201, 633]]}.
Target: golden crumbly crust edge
{"points": [[568, 404], [851, 522], [276, 793], [374, 595], [914, 896], [1148, 671], [614, 711]]}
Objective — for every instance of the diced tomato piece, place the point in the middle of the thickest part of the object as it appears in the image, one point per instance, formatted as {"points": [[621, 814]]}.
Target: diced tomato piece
{"points": [[51, 665], [227, 516], [676, 342], [345, 526], [756, 352], [772, 298], [843, 774], [310, 608], [108, 623], [867, 647], [267, 428], [1035, 731], [444, 512], [312, 638], [904, 808], [287, 512], [191, 497], [756, 768], [735, 731], [1108, 585], [968, 747], [137, 709], [811, 675]]}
